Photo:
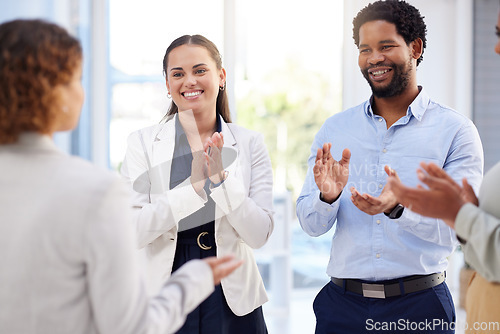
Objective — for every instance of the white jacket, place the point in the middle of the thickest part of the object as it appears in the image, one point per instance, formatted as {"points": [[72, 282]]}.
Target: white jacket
{"points": [[68, 263], [244, 223]]}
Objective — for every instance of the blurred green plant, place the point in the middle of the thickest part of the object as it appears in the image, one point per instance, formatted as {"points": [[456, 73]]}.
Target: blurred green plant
{"points": [[289, 106]]}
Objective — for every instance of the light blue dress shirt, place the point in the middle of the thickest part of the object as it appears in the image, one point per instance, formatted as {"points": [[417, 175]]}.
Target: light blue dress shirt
{"points": [[376, 247]]}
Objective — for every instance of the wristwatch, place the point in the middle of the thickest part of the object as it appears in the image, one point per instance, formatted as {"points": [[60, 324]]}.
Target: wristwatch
{"points": [[396, 212]]}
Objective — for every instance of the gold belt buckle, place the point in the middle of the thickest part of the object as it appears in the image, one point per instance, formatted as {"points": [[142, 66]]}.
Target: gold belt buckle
{"points": [[201, 245]]}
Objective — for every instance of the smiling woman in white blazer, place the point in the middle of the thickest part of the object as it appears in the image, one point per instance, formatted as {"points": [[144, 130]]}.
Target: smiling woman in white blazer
{"points": [[241, 189]]}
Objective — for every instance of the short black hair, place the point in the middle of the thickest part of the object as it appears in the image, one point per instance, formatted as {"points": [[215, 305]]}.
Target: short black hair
{"points": [[407, 19]]}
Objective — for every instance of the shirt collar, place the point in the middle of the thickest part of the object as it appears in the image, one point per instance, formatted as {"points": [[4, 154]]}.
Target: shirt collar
{"points": [[179, 131], [417, 108], [37, 141], [419, 105], [219, 123]]}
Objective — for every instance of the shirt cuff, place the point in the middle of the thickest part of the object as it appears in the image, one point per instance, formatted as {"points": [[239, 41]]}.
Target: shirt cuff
{"points": [[464, 221], [324, 208], [408, 218], [229, 195]]}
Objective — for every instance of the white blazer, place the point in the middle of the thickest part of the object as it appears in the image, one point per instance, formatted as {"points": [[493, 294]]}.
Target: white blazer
{"points": [[68, 262], [244, 217]]}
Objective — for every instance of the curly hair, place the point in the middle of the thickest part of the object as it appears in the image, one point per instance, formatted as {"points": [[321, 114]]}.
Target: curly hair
{"points": [[407, 19], [35, 57]]}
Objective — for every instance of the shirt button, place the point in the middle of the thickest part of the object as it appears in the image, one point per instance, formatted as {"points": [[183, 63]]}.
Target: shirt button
{"points": [[378, 256], [384, 150], [219, 240], [380, 186], [378, 221], [380, 119]]}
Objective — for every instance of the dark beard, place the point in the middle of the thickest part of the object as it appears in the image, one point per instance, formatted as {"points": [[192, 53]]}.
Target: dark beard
{"points": [[398, 84]]}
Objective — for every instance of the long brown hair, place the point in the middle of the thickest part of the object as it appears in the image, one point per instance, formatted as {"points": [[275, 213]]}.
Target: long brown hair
{"points": [[222, 104]]}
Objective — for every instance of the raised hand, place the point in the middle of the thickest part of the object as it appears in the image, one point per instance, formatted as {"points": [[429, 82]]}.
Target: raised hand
{"points": [[198, 170], [222, 267], [374, 205], [443, 198], [468, 194], [466, 191], [199, 163], [330, 175], [213, 147]]}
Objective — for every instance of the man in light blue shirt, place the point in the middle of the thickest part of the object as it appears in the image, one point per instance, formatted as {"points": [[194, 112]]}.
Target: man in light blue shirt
{"points": [[387, 263]]}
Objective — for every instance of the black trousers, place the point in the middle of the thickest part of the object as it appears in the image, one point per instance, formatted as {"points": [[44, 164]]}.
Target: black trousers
{"points": [[214, 316]]}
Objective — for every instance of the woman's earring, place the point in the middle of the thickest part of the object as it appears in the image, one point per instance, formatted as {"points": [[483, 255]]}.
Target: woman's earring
{"points": [[169, 96], [223, 86]]}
